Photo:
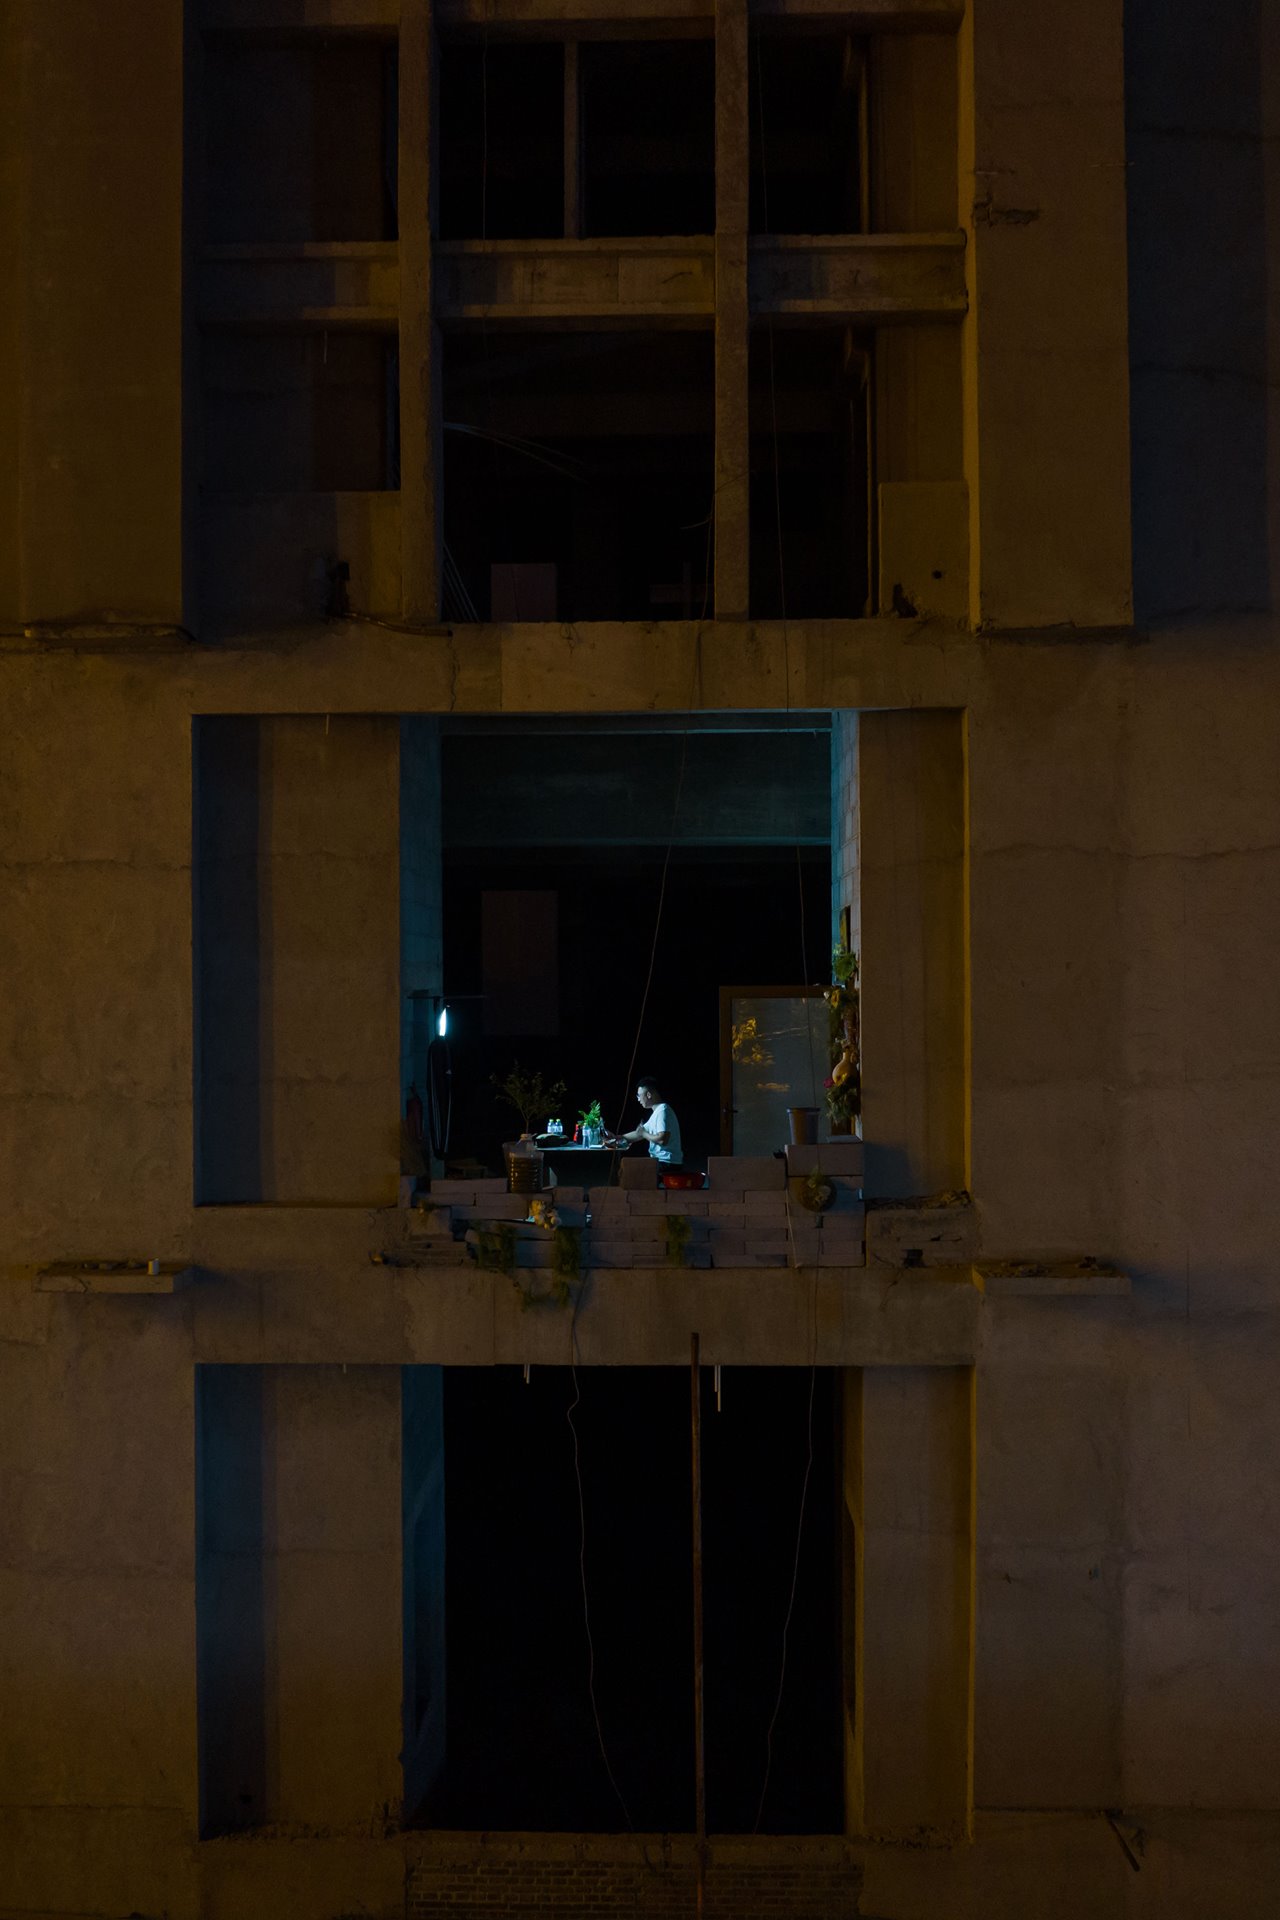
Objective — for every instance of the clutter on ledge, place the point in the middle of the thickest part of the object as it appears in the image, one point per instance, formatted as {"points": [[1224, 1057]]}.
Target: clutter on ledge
{"points": [[801, 1210]]}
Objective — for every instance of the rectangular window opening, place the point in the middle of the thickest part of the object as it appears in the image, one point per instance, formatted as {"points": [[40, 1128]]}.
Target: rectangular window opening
{"points": [[518, 1748], [648, 137], [578, 475], [807, 138], [501, 144], [810, 491]]}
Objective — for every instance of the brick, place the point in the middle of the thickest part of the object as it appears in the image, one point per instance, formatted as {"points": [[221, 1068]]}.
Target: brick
{"points": [[453, 1192], [642, 1205], [496, 1206], [833, 1157], [743, 1172], [942, 1236]]}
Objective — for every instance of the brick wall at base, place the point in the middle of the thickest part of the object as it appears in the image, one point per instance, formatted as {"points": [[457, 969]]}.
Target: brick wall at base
{"points": [[597, 1877]]}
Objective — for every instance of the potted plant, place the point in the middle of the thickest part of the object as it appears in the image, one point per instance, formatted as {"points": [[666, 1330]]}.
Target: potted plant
{"points": [[529, 1094], [844, 1082], [591, 1120]]}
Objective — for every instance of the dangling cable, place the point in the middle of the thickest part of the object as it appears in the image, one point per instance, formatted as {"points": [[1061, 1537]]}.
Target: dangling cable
{"points": [[791, 1602], [439, 1099], [586, 1605]]}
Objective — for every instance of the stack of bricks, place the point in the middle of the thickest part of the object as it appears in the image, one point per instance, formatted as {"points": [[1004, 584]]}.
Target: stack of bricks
{"points": [[527, 1876], [836, 1235], [749, 1215]]}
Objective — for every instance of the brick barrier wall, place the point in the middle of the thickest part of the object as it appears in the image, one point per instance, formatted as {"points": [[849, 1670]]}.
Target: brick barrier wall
{"points": [[597, 1876]]}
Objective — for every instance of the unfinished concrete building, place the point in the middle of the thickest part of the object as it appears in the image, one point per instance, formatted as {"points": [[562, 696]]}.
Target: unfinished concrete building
{"points": [[499, 495]]}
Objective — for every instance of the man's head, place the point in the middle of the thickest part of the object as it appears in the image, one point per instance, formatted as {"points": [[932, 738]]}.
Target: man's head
{"points": [[647, 1092]]}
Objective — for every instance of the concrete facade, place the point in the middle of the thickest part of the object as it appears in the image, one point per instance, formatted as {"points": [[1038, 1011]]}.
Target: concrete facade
{"points": [[1059, 809]]}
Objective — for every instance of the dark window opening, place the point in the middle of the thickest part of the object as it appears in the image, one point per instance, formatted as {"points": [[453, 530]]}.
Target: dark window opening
{"points": [[301, 141], [520, 1750], [648, 137], [308, 412], [501, 141], [809, 483], [806, 99], [577, 476], [580, 813]]}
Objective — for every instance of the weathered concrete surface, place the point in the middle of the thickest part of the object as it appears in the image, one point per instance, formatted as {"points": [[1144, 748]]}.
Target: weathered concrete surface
{"points": [[1123, 1090]]}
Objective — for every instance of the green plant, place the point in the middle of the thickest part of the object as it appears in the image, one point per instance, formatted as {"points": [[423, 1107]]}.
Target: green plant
{"points": [[529, 1094], [566, 1254], [496, 1248], [679, 1234], [592, 1117], [844, 1082]]}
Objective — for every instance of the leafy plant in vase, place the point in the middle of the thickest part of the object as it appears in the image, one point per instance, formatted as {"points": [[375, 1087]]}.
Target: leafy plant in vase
{"points": [[591, 1121], [529, 1094]]}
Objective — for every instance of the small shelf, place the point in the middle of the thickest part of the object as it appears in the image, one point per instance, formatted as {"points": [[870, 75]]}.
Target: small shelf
{"points": [[1049, 1278], [112, 1276]]}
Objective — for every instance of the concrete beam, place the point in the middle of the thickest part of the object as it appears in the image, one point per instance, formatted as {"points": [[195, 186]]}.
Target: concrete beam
{"points": [[667, 281], [673, 282], [629, 19], [331, 284], [268, 18], [871, 276]]}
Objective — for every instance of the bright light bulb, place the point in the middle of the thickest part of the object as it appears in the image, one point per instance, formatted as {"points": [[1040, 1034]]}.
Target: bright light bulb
{"points": [[442, 1024]]}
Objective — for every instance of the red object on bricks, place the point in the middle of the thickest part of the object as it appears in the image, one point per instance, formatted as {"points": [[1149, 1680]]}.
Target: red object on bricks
{"points": [[683, 1182]]}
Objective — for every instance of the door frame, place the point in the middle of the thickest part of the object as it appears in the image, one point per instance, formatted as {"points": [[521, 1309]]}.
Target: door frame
{"points": [[727, 996]]}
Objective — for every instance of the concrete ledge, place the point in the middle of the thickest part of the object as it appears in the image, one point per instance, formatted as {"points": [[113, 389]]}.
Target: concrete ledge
{"points": [[113, 1276], [1030, 1279]]}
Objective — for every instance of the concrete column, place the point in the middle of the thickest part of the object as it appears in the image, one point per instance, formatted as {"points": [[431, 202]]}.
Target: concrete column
{"points": [[92, 493], [572, 144], [911, 920], [298, 960], [421, 893], [909, 1538], [732, 423], [421, 420], [299, 1596], [1042, 199]]}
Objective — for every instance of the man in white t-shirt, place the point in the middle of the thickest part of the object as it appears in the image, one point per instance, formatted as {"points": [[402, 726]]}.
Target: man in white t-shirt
{"points": [[661, 1130]]}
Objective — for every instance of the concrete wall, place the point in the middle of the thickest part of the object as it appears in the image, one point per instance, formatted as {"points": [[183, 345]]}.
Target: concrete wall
{"points": [[297, 960], [1122, 1096], [421, 895]]}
